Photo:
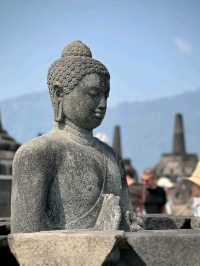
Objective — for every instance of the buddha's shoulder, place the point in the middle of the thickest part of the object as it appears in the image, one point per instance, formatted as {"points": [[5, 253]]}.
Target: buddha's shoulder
{"points": [[36, 147], [45, 145]]}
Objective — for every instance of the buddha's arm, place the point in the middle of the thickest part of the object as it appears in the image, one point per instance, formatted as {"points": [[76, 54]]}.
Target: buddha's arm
{"points": [[116, 185], [28, 191], [124, 199], [129, 222]]}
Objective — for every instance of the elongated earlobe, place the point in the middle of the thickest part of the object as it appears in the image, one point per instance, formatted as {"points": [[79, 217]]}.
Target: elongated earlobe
{"points": [[58, 104], [58, 112]]}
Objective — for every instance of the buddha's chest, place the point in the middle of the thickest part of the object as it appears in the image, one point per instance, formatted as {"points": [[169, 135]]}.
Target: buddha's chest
{"points": [[80, 178]]}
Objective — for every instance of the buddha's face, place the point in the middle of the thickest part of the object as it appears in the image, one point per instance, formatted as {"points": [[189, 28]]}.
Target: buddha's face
{"points": [[86, 104]]}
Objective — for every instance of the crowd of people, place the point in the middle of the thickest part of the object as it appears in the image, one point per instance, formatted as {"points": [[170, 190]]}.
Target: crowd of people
{"points": [[153, 195]]}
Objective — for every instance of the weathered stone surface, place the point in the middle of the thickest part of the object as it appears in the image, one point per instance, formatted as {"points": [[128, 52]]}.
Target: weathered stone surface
{"points": [[63, 248], [166, 248], [8, 147], [164, 222], [60, 178], [117, 146], [108, 248], [4, 226], [179, 138], [195, 222], [110, 215], [179, 163], [5, 195]]}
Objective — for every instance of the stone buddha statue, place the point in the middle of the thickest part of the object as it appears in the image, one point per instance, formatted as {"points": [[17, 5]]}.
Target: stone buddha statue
{"points": [[67, 178]]}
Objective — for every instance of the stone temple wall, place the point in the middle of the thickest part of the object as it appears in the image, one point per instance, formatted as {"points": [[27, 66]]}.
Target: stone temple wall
{"points": [[5, 195]]}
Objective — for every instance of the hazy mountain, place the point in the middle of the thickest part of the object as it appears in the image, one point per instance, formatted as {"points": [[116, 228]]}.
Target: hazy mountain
{"points": [[147, 127]]}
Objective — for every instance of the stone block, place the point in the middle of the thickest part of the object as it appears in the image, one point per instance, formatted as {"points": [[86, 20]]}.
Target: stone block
{"points": [[5, 195], [107, 248], [165, 247], [165, 222], [195, 222], [63, 248]]}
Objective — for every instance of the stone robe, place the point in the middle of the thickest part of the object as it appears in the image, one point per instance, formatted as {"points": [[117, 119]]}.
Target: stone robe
{"points": [[59, 180]]}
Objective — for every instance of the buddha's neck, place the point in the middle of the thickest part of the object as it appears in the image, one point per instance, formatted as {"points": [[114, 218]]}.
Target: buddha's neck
{"points": [[81, 135]]}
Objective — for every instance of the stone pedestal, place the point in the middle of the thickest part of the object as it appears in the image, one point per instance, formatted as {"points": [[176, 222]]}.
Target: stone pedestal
{"points": [[92, 248], [166, 248], [63, 248]]}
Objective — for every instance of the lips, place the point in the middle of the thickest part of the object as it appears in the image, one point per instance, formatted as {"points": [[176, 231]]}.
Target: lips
{"points": [[99, 114]]}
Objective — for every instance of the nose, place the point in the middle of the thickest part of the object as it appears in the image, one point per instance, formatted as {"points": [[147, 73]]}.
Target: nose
{"points": [[102, 104]]}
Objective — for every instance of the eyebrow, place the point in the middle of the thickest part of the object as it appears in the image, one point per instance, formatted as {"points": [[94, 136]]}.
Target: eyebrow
{"points": [[97, 88], [93, 87]]}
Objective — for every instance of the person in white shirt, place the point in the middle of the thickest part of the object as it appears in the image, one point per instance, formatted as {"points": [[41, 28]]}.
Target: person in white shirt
{"points": [[168, 186]]}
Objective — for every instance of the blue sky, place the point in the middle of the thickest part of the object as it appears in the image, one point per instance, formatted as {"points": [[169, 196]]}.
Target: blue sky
{"points": [[151, 47]]}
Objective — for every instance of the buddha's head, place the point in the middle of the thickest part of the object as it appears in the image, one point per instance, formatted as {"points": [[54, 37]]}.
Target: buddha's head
{"points": [[79, 87]]}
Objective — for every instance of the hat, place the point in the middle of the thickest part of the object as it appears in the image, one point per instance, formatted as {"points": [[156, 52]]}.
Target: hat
{"points": [[165, 182], [195, 178]]}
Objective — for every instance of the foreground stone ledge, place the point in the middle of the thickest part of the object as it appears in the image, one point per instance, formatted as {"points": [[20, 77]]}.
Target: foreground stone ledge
{"points": [[166, 247], [63, 248], [116, 248]]}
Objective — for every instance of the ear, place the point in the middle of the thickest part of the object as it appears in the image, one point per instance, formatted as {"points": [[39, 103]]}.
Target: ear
{"points": [[58, 101]]}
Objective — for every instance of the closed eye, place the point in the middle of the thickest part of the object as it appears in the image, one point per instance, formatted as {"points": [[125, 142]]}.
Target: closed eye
{"points": [[93, 93]]}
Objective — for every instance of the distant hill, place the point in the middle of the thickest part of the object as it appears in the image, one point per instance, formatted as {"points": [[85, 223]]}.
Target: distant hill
{"points": [[147, 127]]}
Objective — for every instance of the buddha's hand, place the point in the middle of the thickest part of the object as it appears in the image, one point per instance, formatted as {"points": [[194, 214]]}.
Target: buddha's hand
{"points": [[135, 222], [110, 214]]}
